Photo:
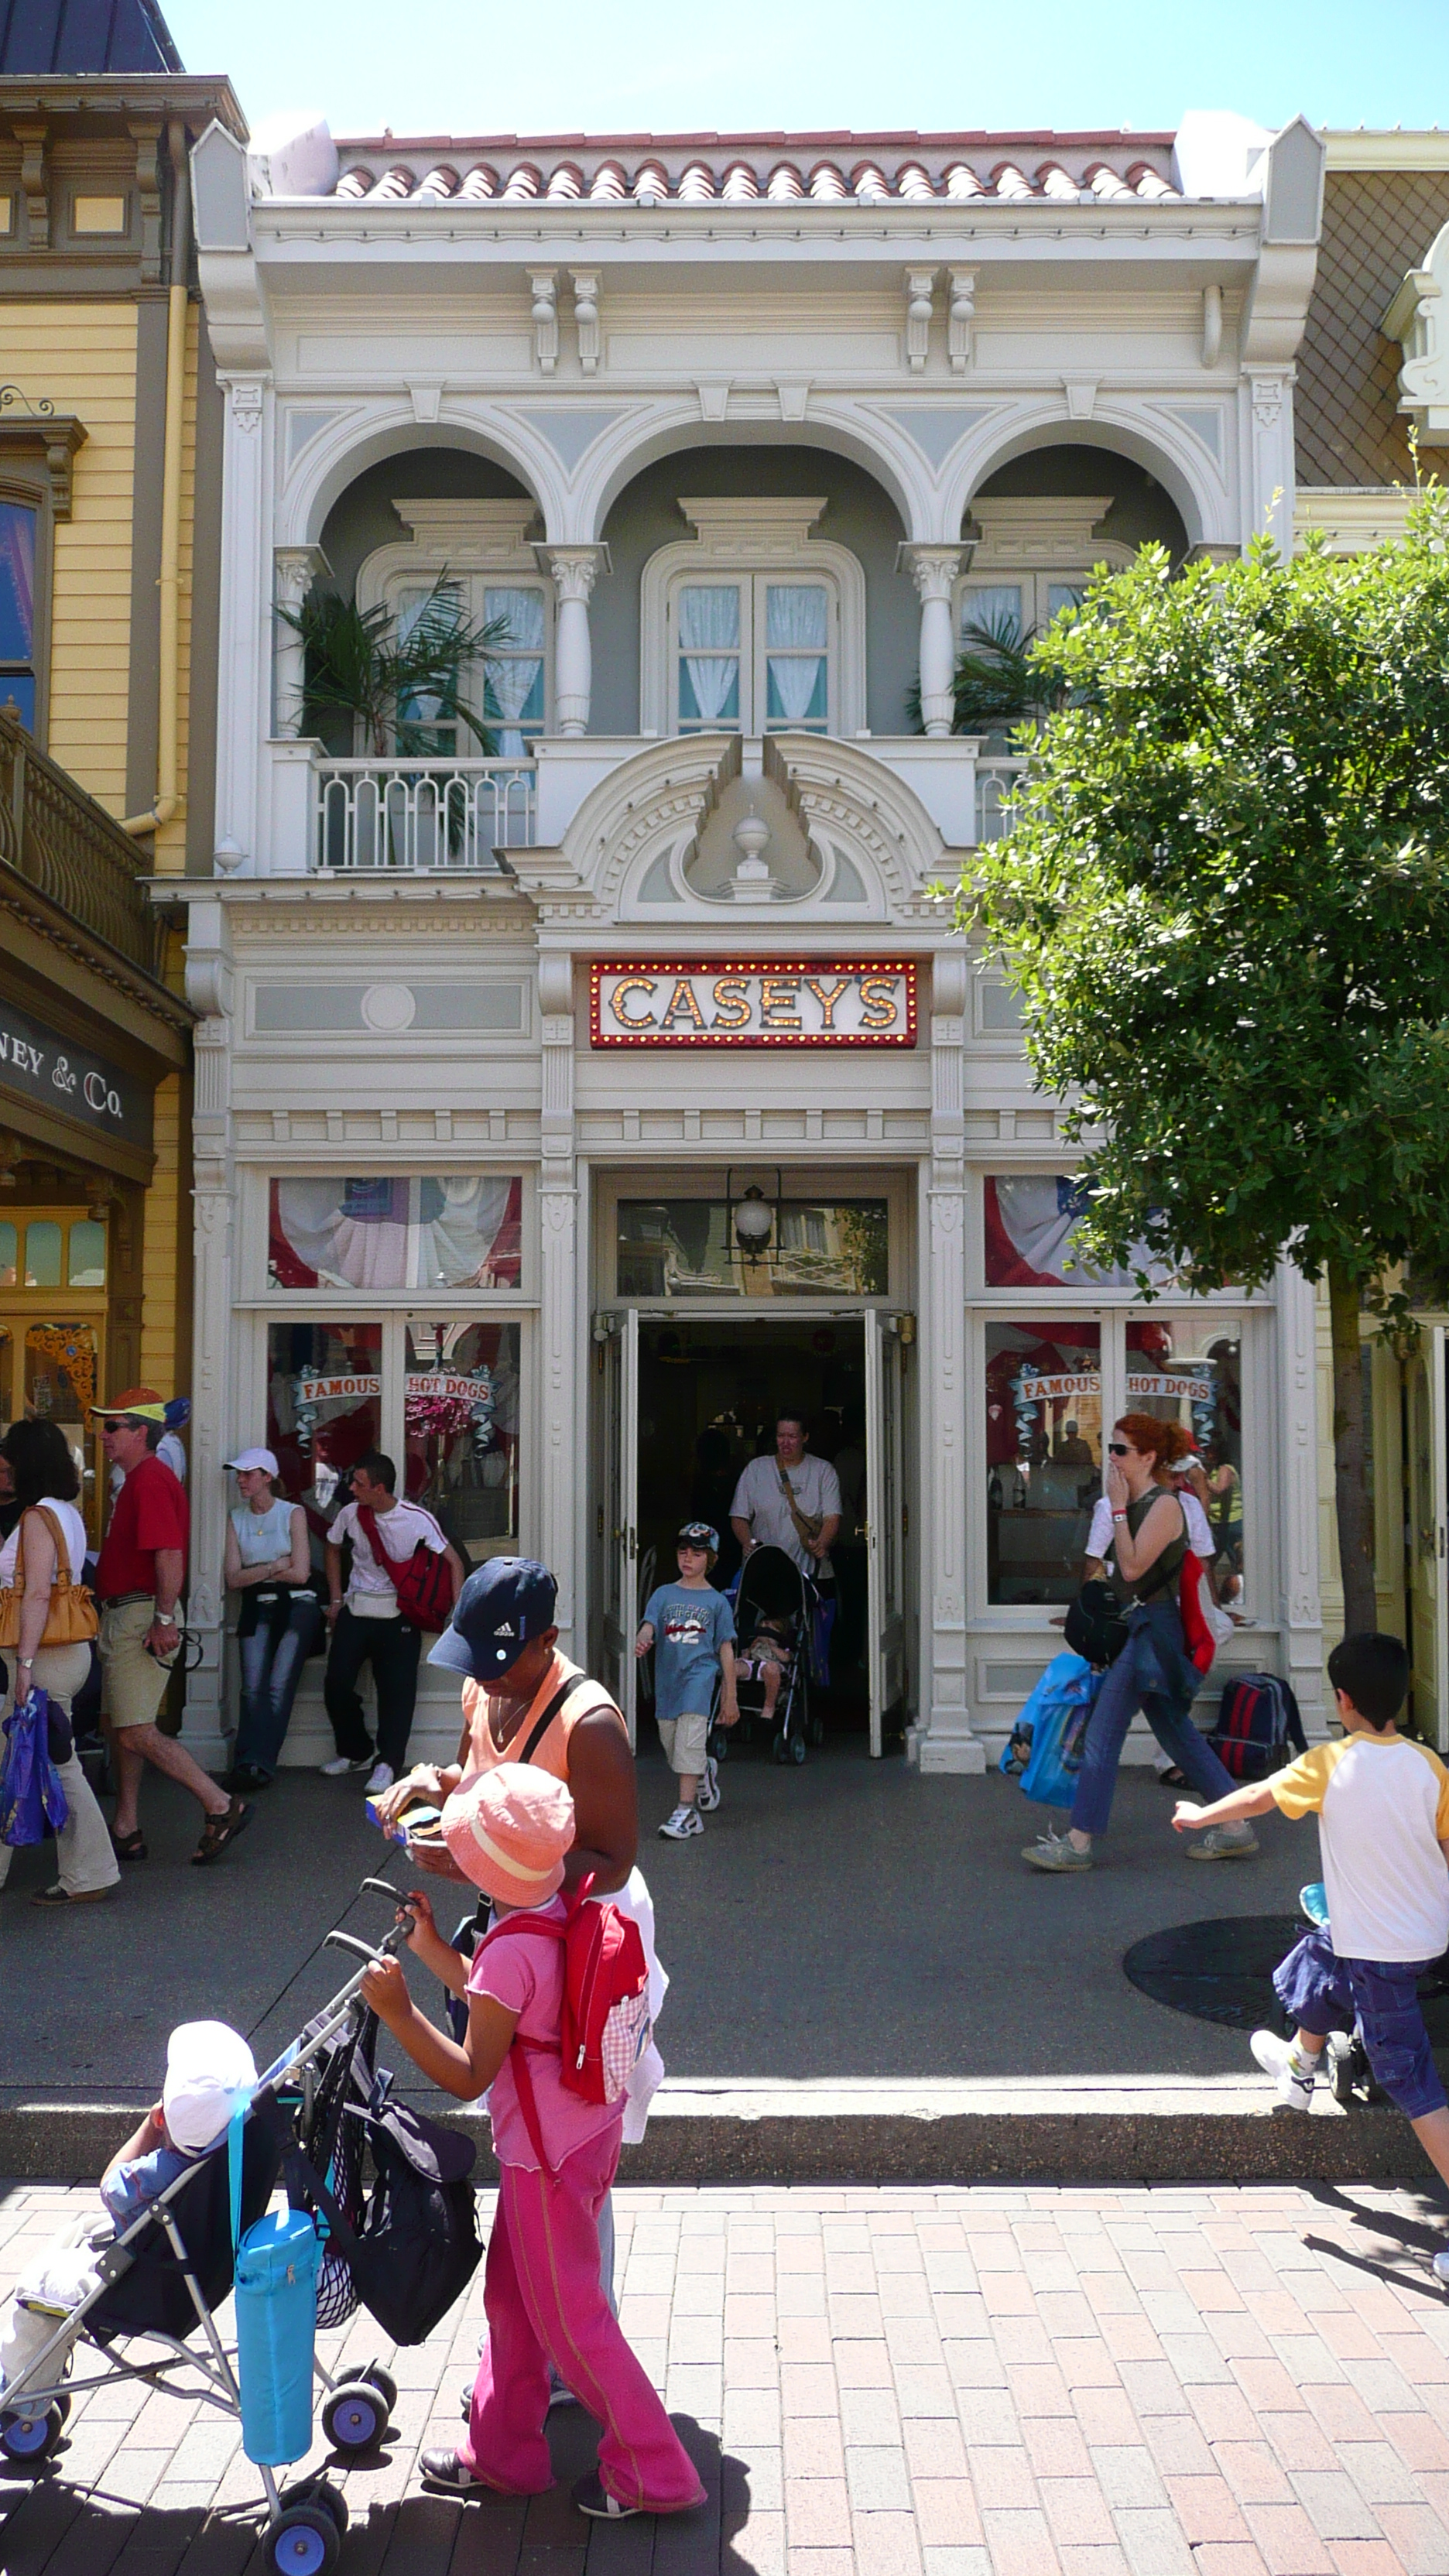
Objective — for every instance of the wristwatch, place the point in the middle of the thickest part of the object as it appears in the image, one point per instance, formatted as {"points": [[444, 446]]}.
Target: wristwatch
{"points": [[165, 1619]]}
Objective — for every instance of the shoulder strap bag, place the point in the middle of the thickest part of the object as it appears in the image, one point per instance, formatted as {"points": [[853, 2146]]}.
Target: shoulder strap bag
{"points": [[71, 1619]]}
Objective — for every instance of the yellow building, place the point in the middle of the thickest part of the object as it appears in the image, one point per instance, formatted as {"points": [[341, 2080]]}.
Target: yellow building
{"points": [[110, 446]]}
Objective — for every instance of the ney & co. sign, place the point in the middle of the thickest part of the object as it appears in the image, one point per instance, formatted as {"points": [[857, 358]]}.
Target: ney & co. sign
{"points": [[47, 1068], [743, 1002]]}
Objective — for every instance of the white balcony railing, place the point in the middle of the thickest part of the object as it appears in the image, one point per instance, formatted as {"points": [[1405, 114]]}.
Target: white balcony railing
{"points": [[420, 816], [996, 784]]}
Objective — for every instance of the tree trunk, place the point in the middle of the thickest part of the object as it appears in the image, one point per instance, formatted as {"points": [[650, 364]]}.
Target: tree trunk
{"points": [[1351, 1490]]}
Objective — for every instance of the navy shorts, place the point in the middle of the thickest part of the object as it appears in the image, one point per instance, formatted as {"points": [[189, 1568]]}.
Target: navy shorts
{"points": [[1324, 1993]]}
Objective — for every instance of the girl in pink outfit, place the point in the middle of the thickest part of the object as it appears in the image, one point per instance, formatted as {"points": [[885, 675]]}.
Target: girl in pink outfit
{"points": [[508, 1830]]}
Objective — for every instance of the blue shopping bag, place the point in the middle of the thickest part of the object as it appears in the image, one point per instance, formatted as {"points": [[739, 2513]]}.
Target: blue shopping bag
{"points": [[277, 2262], [1057, 1714], [32, 1801]]}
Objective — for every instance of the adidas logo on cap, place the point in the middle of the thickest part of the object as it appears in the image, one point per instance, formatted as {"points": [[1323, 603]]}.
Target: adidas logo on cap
{"points": [[505, 1628]]}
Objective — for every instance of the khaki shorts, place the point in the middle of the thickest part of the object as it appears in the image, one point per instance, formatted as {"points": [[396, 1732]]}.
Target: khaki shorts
{"points": [[133, 1683], [685, 1740]]}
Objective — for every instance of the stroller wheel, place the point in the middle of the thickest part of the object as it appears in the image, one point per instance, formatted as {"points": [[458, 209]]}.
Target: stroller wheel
{"points": [[354, 2417], [384, 2382], [797, 1748], [31, 2438], [316, 2495], [305, 2542], [778, 1748]]}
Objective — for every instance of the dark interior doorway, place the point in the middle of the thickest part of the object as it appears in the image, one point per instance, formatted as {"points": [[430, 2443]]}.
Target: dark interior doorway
{"points": [[709, 1395]]}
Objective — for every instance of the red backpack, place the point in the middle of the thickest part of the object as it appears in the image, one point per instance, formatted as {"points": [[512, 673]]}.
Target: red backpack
{"points": [[604, 2026], [423, 1581]]}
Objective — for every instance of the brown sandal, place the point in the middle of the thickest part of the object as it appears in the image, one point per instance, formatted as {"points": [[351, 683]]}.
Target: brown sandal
{"points": [[221, 1830]]}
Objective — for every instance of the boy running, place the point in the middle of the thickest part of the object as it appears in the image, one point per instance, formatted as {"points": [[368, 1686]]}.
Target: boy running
{"points": [[1382, 1803], [692, 1628]]}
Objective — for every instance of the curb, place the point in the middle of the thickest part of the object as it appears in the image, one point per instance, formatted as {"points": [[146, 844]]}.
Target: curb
{"points": [[741, 2134]]}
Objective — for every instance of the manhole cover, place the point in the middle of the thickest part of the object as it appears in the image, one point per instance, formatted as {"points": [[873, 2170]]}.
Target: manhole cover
{"points": [[1223, 1972]]}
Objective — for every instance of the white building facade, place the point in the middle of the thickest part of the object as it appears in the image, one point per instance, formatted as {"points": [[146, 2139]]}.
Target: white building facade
{"points": [[729, 442]]}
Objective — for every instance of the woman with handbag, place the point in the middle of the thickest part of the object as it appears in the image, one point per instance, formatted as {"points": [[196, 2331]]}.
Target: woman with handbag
{"points": [[47, 1624], [1149, 1666], [268, 1562]]}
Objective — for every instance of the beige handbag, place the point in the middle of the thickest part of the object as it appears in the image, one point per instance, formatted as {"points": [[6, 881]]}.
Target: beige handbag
{"points": [[71, 1619]]}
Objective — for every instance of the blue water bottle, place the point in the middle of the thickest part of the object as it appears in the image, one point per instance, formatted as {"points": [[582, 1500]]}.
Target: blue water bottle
{"points": [[277, 2262]]}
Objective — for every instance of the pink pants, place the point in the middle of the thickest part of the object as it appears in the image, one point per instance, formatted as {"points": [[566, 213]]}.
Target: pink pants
{"points": [[544, 2304]]}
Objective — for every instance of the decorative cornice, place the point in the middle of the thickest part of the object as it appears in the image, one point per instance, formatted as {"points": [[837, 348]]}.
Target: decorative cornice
{"points": [[25, 903], [57, 436]]}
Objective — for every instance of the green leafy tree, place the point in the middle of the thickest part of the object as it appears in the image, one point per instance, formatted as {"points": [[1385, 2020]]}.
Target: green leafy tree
{"points": [[1225, 901], [400, 682]]}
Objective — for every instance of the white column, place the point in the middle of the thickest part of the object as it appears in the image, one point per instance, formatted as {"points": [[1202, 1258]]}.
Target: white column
{"points": [[243, 678], [1270, 496], [574, 571], [209, 990], [934, 570], [560, 1464], [295, 570], [1291, 1464], [943, 1737]]}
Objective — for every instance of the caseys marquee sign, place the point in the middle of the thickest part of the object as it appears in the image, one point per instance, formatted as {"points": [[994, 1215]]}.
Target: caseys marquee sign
{"points": [[661, 1002]]}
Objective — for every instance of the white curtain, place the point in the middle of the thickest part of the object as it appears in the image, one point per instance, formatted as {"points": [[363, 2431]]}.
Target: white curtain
{"points": [[513, 677], [795, 638], [441, 612], [709, 639]]}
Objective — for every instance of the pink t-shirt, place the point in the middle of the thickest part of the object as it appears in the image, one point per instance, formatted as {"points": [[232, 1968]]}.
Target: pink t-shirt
{"points": [[526, 1976]]}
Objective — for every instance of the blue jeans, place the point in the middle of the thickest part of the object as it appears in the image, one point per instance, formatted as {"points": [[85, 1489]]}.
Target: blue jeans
{"points": [[1324, 1993], [271, 1667], [1151, 1673]]}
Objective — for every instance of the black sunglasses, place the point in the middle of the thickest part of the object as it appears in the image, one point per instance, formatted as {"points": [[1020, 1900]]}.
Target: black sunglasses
{"points": [[1117, 1449]]}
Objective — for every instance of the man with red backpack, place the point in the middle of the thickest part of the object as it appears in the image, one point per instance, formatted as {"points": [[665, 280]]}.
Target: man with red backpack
{"points": [[557, 1995], [405, 1579]]}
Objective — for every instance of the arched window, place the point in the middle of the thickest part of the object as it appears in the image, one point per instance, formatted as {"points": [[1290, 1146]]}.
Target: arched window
{"points": [[479, 550], [753, 627]]}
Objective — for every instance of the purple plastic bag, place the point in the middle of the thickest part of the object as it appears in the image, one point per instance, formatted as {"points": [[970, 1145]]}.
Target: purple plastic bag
{"points": [[32, 1801]]}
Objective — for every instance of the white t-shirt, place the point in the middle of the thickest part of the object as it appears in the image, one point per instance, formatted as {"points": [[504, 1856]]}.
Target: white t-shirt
{"points": [[402, 1530], [1199, 1536], [760, 1501], [73, 1529], [1382, 1810]]}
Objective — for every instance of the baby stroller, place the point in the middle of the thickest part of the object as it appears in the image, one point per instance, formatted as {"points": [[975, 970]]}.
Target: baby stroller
{"points": [[1349, 2073], [160, 2279], [771, 1586]]}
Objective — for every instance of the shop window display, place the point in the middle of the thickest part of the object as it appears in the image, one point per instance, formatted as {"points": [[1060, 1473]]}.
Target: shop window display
{"points": [[1043, 1456], [324, 1408], [688, 1248], [1031, 1221], [460, 1429], [455, 1230]]}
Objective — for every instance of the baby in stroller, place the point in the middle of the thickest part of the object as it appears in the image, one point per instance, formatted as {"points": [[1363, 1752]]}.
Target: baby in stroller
{"points": [[209, 2073], [766, 1654]]}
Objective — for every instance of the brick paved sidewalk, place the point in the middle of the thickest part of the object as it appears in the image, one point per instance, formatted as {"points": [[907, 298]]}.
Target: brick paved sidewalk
{"points": [[977, 2382]]}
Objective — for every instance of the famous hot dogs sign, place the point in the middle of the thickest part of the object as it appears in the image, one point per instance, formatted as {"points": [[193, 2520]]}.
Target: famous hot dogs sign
{"points": [[658, 1002]]}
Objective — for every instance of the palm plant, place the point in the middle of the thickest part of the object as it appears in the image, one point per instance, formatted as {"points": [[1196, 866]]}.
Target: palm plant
{"points": [[996, 684], [394, 681]]}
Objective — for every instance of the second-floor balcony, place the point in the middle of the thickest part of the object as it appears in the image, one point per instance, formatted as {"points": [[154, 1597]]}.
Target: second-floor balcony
{"points": [[429, 816], [67, 850]]}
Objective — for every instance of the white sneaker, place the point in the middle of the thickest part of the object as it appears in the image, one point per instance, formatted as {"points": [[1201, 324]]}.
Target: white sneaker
{"points": [[706, 1796], [1222, 1842], [1280, 2057], [1441, 2269], [341, 1767], [382, 1778], [682, 1826]]}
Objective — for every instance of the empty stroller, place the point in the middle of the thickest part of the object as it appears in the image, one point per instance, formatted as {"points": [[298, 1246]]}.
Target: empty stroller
{"points": [[775, 1624], [404, 2251]]}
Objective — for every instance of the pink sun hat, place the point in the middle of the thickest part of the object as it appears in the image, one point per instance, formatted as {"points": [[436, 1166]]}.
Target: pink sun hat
{"points": [[508, 1831]]}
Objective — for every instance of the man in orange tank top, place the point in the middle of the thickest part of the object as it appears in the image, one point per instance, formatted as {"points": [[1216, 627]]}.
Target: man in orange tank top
{"points": [[503, 1642]]}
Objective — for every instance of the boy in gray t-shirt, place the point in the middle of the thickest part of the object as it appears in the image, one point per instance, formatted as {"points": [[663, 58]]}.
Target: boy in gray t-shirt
{"points": [[691, 1628]]}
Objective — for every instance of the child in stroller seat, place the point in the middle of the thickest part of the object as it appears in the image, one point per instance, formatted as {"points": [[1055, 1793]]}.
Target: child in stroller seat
{"points": [[765, 1656], [209, 2073]]}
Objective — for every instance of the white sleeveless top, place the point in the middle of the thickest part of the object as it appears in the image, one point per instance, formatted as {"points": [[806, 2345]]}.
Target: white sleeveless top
{"points": [[263, 1537], [73, 1531]]}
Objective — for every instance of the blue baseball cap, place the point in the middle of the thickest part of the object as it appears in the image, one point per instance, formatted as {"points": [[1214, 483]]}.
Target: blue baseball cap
{"points": [[500, 1610]]}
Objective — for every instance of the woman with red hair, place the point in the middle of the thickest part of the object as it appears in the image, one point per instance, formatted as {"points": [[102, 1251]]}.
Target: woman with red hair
{"points": [[1153, 1672]]}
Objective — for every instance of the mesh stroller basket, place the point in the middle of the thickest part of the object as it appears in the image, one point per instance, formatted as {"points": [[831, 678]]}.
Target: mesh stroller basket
{"points": [[334, 2146]]}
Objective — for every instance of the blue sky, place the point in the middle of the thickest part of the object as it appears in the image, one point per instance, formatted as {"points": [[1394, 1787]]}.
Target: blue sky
{"points": [[461, 67]]}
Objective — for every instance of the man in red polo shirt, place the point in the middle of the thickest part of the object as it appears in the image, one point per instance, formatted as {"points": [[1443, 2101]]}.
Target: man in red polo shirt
{"points": [[139, 1576]]}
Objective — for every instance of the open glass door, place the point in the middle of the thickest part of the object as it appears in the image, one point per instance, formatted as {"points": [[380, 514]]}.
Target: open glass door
{"points": [[884, 1551], [621, 1512], [1428, 1536]]}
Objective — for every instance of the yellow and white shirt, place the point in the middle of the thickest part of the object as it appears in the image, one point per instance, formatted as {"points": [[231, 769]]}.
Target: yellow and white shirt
{"points": [[1383, 1809]]}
